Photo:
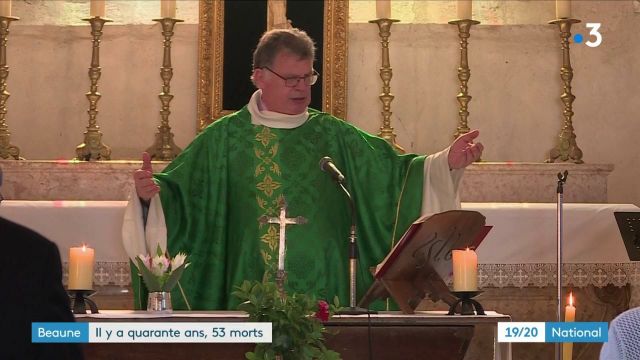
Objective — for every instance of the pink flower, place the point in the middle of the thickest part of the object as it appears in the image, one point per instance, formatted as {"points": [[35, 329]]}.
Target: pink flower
{"points": [[323, 311]]}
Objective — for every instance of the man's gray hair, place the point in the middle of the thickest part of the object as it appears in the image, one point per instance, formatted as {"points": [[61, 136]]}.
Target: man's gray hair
{"points": [[274, 41]]}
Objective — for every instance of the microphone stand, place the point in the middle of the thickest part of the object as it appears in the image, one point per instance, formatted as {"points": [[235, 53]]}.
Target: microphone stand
{"points": [[353, 262], [562, 179]]}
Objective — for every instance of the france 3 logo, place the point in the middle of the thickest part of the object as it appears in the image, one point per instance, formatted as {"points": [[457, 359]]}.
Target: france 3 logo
{"points": [[594, 35]]}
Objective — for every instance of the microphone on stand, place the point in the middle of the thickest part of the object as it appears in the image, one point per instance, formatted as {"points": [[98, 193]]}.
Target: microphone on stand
{"points": [[327, 165], [562, 179]]}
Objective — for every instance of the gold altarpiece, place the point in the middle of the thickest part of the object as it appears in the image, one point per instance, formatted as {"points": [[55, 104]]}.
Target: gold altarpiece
{"points": [[331, 62]]}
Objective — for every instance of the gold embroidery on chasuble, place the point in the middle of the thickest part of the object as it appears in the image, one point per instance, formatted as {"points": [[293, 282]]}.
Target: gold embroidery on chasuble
{"points": [[268, 180]]}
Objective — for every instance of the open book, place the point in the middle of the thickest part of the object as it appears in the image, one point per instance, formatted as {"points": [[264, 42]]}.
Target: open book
{"points": [[420, 262]]}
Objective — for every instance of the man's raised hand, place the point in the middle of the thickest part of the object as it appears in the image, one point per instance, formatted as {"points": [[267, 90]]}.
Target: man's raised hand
{"points": [[146, 188], [463, 151]]}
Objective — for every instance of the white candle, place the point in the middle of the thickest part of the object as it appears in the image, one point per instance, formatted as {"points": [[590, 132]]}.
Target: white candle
{"points": [[465, 270], [569, 316], [5, 7], [464, 9], [168, 8], [81, 268], [97, 8], [383, 9], [563, 9]]}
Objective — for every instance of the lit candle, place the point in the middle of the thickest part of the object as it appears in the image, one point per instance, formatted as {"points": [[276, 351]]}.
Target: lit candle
{"points": [[81, 268], [465, 270], [464, 9], [383, 9], [97, 8], [569, 316], [5, 8], [563, 9], [168, 9]]}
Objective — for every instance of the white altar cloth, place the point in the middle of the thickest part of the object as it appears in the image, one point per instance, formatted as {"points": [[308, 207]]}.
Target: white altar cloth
{"points": [[519, 251], [72, 223], [526, 233]]}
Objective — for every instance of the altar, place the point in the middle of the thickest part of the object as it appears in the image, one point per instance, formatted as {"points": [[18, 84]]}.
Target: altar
{"points": [[516, 260], [519, 251], [387, 335]]}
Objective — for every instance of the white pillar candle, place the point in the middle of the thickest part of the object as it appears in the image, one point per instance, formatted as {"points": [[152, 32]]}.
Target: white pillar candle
{"points": [[563, 9], [168, 9], [569, 316], [97, 8], [383, 9], [465, 270], [81, 268], [464, 9], [5, 7]]}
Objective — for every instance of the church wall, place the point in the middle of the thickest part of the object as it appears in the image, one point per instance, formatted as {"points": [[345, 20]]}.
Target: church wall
{"points": [[514, 83], [49, 76]]}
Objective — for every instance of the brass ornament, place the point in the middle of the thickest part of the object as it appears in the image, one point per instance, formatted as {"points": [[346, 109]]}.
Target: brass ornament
{"points": [[164, 147], [7, 150], [464, 74], [386, 73], [92, 148], [566, 148]]}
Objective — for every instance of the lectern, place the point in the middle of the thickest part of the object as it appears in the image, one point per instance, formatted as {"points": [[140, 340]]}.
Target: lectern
{"points": [[418, 264]]}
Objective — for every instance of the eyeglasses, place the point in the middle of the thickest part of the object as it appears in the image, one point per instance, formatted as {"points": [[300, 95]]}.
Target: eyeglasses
{"points": [[309, 79]]}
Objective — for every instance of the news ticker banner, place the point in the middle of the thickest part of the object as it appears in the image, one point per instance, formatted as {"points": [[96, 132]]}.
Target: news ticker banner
{"points": [[252, 332], [151, 332], [553, 332]]}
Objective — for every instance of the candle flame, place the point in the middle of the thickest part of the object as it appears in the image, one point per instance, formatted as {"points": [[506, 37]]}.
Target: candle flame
{"points": [[571, 298], [84, 247]]}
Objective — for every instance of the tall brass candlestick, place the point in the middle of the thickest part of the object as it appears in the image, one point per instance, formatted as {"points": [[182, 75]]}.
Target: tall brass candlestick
{"points": [[464, 73], [7, 150], [164, 148], [386, 73], [92, 148], [566, 147]]}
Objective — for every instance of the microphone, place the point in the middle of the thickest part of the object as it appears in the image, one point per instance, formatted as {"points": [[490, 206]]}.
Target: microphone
{"points": [[327, 165]]}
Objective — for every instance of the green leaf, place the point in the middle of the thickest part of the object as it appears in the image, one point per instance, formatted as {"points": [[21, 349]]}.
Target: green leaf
{"points": [[150, 280], [172, 280], [297, 334], [159, 250]]}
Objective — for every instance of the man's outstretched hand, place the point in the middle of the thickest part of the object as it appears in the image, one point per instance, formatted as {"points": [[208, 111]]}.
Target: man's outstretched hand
{"points": [[143, 178], [463, 151]]}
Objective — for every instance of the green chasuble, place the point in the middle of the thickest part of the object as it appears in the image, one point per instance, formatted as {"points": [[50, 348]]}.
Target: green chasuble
{"points": [[234, 172]]}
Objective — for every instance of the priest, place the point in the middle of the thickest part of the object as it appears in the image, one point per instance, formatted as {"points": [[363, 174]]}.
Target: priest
{"points": [[208, 201]]}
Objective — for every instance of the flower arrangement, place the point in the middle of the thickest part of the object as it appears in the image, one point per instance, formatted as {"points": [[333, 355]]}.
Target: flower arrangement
{"points": [[161, 272], [298, 330]]}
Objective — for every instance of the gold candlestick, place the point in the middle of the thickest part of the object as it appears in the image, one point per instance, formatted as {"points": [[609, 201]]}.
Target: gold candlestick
{"points": [[464, 73], [386, 73], [164, 148], [7, 150], [92, 148], [566, 147]]}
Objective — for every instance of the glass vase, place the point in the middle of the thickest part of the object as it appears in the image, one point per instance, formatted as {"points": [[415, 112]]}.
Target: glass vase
{"points": [[159, 302]]}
